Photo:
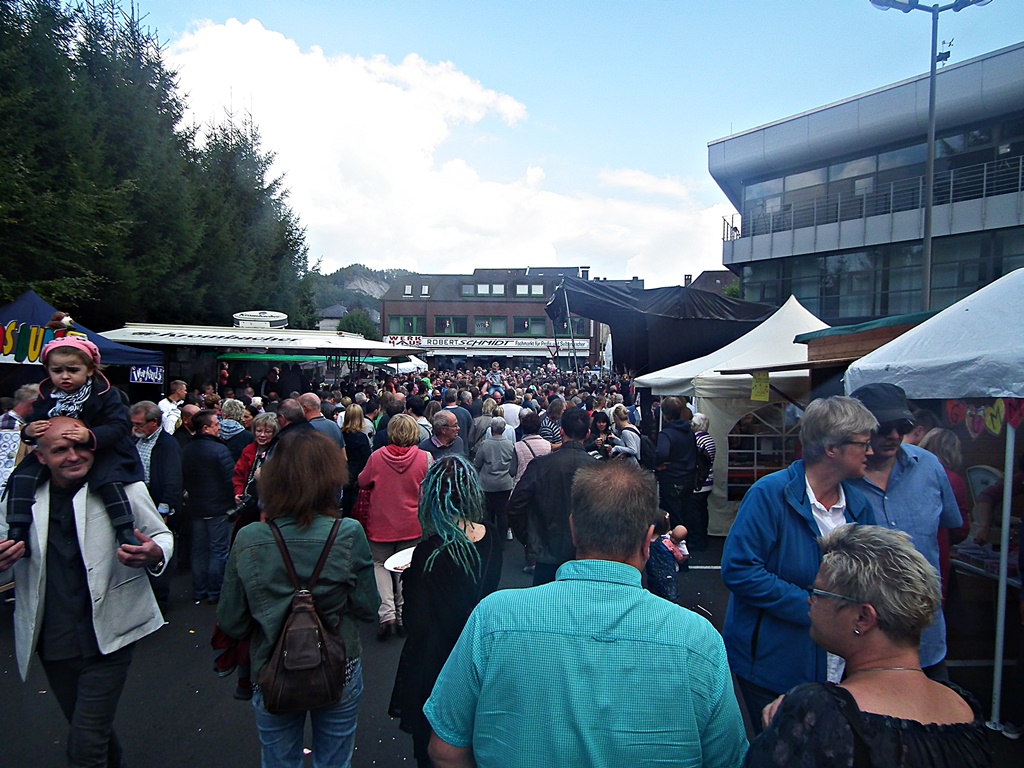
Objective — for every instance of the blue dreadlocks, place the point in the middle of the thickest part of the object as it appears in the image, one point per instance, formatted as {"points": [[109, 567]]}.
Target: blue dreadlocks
{"points": [[451, 490]]}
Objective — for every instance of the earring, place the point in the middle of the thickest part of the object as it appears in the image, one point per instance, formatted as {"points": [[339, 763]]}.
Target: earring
{"points": [[856, 631]]}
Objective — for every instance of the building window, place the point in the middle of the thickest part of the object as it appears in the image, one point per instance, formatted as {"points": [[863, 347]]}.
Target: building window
{"points": [[579, 327], [405, 325], [450, 326], [497, 290], [483, 289], [407, 291], [425, 290], [529, 326], [490, 326], [537, 290], [468, 290], [522, 289]]}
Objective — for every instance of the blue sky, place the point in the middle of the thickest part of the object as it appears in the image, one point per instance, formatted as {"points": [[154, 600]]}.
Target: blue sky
{"points": [[529, 133]]}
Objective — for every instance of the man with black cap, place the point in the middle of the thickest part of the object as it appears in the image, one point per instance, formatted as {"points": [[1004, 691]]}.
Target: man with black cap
{"points": [[908, 490]]}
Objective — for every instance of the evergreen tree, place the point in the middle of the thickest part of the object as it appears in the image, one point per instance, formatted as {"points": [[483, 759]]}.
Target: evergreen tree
{"points": [[253, 245], [358, 321]]}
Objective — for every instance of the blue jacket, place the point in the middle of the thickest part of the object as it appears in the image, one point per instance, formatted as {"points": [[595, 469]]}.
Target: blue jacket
{"points": [[770, 558]]}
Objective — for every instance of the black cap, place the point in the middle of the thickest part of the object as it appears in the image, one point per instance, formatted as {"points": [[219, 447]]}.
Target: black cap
{"points": [[887, 402]]}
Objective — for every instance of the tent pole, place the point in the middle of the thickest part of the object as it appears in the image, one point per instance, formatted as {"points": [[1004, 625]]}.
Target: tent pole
{"points": [[572, 337], [1004, 546]]}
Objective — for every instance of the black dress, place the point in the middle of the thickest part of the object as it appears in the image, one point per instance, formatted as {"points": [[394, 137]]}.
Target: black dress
{"points": [[812, 728], [437, 606]]}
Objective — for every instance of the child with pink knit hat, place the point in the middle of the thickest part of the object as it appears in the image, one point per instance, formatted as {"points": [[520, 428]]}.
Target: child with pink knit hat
{"points": [[77, 389]]}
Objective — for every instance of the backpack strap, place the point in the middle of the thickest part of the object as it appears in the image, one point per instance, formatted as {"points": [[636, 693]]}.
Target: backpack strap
{"points": [[848, 706], [290, 567]]}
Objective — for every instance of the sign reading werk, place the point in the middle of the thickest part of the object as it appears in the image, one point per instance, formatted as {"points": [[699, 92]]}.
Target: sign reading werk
{"points": [[490, 342]]}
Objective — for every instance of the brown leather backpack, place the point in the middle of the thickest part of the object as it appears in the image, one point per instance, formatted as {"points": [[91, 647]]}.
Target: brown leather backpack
{"points": [[307, 668]]}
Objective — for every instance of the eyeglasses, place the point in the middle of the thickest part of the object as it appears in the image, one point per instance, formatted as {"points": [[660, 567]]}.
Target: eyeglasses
{"points": [[864, 444], [815, 592]]}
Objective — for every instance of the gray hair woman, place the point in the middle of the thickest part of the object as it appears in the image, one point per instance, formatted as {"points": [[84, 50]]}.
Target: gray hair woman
{"points": [[232, 432], [700, 425], [873, 596], [481, 425], [771, 554], [497, 462]]}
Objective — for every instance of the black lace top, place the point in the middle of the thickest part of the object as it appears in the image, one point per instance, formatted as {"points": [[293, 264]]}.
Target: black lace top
{"points": [[812, 728]]}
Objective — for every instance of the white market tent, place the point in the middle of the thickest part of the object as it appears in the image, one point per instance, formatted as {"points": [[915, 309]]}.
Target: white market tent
{"points": [[413, 366], [972, 349], [724, 399]]}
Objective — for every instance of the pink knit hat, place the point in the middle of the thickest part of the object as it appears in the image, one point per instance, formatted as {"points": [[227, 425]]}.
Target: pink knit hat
{"points": [[80, 343]]}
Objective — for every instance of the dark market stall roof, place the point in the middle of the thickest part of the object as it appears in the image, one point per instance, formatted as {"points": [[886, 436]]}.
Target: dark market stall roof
{"points": [[23, 333], [655, 328], [285, 340]]}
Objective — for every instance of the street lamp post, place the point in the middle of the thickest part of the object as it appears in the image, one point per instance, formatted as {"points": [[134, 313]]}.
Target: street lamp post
{"points": [[929, 173]]}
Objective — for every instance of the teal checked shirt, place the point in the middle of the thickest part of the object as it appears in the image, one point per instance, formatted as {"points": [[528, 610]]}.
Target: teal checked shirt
{"points": [[591, 670]]}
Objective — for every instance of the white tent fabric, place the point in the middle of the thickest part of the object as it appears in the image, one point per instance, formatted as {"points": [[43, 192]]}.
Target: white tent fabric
{"points": [[724, 399], [771, 343], [971, 349], [414, 365]]}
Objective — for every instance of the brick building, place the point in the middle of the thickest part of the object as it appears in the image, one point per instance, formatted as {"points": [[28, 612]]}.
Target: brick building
{"points": [[490, 315]]}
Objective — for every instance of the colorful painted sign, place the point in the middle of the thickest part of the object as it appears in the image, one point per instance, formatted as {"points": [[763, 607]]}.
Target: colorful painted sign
{"points": [[23, 343], [978, 419]]}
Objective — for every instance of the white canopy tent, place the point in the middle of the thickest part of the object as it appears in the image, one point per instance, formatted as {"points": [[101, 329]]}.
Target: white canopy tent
{"points": [[971, 349], [414, 365], [724, 399]]}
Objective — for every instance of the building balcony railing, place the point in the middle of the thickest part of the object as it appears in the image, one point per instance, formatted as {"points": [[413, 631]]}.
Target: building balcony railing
{"points": [[997, 177]]}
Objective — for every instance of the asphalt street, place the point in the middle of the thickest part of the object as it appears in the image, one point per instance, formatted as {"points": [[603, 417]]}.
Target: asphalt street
{"points": [[176, 713]]}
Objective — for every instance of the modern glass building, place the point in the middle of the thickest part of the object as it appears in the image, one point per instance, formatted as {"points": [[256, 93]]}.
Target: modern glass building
{"points": [[830, 201]]}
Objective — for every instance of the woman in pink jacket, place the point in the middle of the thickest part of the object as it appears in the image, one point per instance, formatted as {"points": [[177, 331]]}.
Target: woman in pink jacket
{"points": [[393, 475]]}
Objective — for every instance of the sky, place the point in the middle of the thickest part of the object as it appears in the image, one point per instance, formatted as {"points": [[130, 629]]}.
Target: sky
{"points": [[441, 136]]}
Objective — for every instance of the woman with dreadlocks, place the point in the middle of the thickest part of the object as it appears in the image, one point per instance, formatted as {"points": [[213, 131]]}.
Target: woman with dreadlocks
{"points": [[457, 564]]}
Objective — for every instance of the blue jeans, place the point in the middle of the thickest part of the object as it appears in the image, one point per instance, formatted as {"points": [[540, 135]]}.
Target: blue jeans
{"points": [[211, 539], [334, 730]]}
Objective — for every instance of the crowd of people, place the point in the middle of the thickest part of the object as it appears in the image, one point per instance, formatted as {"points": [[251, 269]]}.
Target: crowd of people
{"points": [[833, 564]]}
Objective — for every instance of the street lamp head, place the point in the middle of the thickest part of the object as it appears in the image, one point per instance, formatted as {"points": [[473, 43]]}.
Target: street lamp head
{"points": [[902, 5], [959, 5]]}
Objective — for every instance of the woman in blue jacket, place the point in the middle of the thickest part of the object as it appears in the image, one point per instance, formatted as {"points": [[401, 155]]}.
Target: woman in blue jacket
{"points": [[771, 556]]}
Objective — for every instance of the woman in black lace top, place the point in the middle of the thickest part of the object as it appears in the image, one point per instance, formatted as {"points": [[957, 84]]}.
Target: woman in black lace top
{"points": [[873, 596]]}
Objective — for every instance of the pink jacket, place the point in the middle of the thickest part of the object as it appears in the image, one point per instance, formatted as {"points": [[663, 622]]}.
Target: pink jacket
{"points": [[394, 474]]}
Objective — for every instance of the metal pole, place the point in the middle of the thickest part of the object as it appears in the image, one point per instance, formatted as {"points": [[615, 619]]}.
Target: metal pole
{"points": [[572, 337], [929, 173], [1004, 546]]}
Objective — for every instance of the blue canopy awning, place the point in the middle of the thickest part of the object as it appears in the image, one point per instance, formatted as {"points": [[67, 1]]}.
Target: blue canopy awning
{"points": [[23, 333]]}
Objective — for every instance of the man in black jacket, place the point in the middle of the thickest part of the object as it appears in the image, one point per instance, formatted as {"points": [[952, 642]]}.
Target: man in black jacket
{"points": [[161, 463], [207, 467], [543, 499], [676, 459]]}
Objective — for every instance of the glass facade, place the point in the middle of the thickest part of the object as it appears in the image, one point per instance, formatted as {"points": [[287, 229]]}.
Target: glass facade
{"points": [[972, 162], [854, 286]]}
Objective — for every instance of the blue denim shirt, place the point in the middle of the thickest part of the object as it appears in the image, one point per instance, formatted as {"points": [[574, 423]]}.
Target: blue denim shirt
{"points": [[918, 500]]}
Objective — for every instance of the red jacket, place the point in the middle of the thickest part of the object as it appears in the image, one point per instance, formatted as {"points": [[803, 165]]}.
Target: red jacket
{"points": [[394, 474]]}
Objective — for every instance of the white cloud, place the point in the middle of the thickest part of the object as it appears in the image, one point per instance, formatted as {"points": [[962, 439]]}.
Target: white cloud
{"points": [[356, 139]]}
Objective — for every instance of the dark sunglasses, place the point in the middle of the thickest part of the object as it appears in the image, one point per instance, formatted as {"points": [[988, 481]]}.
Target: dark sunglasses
{"points": [[902, 427]]}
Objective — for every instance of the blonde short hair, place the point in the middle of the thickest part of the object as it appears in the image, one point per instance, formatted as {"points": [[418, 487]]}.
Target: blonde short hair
{"points": [[403, 430]]}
